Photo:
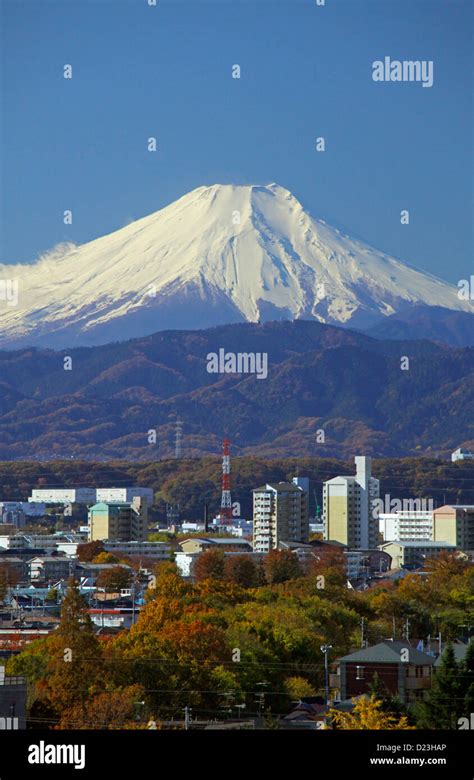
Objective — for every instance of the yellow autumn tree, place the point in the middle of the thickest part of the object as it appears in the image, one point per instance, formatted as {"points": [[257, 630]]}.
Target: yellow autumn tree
{"points": [[368, 714]]}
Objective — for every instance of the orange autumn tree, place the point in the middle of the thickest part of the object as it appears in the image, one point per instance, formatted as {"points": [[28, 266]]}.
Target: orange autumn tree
{"points": [[209, 565], [175, 660], [176, 646], [107, 710], [74, 670], [281, 566]]}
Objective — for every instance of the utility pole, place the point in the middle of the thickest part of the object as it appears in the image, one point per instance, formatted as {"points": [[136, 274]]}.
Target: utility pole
{"points": [[362, 640], [261, 698], [325, 650], [187, 718], [239, 708]]}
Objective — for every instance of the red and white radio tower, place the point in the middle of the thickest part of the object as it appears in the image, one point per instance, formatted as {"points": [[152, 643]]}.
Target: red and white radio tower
{"points": [[226, 501]]}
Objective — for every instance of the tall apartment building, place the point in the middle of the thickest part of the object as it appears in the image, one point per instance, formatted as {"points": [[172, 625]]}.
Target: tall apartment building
{"points": [[280, 514], [348, 507], [120, 521], [406, 526], [455, 524]]}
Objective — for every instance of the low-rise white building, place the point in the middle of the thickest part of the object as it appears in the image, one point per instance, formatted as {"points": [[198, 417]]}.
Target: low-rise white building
{"points": [[68, 548], [238, 527], [12, 542], [159, 551], [89, 496], [406, 526], [461, 454], [66, 543], [126, 495], [63, 495], [190, 528]]}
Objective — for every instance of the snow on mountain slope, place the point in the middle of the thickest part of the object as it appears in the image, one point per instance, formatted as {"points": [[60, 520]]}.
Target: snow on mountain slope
{"points": [[219, 254]]}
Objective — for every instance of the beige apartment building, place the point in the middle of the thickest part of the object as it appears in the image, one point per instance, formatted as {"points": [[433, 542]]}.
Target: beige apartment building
{"points": [[121, 522], [455, 524], [348, 507]]}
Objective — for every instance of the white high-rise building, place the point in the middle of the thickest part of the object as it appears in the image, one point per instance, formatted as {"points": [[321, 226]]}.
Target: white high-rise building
{"points": [[349, 507], [280, 514]]}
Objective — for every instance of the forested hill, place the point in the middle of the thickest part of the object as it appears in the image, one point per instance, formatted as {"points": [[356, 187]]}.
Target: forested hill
{"points": [[192, 482], [384, 398]]}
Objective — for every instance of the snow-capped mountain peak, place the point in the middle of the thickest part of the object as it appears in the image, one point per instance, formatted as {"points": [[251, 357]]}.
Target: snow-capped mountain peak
{"points": [[221, 253]]}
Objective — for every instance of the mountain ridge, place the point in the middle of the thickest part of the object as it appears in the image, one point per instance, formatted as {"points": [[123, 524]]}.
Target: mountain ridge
{"points": [[320, 377]]}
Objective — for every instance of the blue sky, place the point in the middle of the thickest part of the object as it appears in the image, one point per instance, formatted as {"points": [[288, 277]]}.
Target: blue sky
{"points": [[165, 71]]}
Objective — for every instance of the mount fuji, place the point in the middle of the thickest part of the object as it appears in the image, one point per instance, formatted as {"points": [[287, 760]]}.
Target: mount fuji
{"points": [[220, 254]]}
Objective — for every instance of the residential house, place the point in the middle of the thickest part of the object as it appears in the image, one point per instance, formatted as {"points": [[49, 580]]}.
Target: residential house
{"points": [[403, 670]]}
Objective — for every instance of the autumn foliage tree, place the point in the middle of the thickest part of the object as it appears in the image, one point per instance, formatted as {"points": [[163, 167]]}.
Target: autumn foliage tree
{"points": [[114, 579], [209, 565], [242, 570], [105, 557], [281, 566], [330, 563], [74, 668], [299, 687], [107, 710], [89, 550], [175, 651]]}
